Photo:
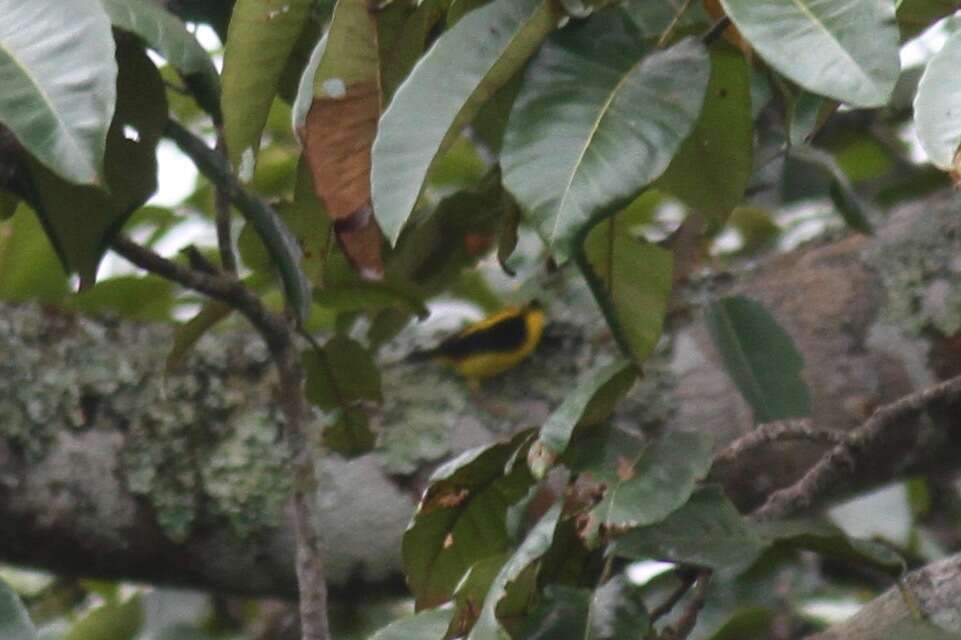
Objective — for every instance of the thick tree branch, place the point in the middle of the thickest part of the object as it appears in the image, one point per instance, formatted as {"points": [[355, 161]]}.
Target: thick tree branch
{"points": [[937, 588], [859, 447]]}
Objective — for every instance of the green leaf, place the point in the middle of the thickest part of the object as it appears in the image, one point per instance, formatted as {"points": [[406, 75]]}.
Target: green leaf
{"points": [[613, 612], [261, 37], [760, 358], [112, 621], [81, 220], [189, 333], [426, 625], [827, 539], [341, 379], [462, 518], [443, 93], [473, 588], [854, 210], [596, 121], [647, 489], [844, 49], [590, 403], [749, 623], [706, 532], [937, 107], [711, 170], [401, 45], [167, 34], [14, 622], [148, 298], [631, 281], [58, 76], [29, 267], [653, 17], [535, 545]]}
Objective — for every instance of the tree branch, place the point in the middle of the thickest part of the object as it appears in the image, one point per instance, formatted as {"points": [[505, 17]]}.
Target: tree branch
{"points": [[858, 448]]}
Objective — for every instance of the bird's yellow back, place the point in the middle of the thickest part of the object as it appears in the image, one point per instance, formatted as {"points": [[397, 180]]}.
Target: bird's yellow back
{"points": [[495, 344]]}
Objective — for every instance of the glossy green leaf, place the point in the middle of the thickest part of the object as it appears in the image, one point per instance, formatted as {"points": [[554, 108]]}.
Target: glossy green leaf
{"points": [[760, 358], [706, 532], [426, 625], [444, 91], [81, 220], [29, 267], [805, 114], [370, 296], [534, 546], [843, 49], [631, 280], [829, 540], [15, 624], [260, 40], [711, 170], [612, 612], [596, 121], [462, 519], [112, 621], [937, 107], [591, 402], [647, 489], [58, 76]]}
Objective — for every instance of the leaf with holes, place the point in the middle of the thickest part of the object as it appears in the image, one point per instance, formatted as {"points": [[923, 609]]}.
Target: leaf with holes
{"points": [[760, 358], [444, 92], [597, 119], [843, 49], [261, 37], [339, 130], [631, 280], [462, 518], [58, 76]]}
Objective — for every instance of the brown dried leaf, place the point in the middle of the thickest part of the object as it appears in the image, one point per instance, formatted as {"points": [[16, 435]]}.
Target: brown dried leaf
{"points": [[338, 135]]}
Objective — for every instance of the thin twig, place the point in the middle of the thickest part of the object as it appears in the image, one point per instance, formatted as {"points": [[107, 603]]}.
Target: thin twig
{"points": [[670, 28], [780, 431], [225, 289], [228, 260], [688, 619], [278, 334], [861, 444]]}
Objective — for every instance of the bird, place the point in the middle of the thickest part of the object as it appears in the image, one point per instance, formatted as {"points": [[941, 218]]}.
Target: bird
{"points": [[490, 346]]}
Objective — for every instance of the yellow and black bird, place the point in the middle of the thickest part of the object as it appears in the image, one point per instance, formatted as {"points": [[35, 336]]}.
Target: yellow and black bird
{"points": [[490, 346]]}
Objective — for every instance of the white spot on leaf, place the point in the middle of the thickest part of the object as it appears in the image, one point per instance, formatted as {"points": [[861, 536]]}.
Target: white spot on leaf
{"points": [[335, 88], [130, 132], [246, 169]]}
